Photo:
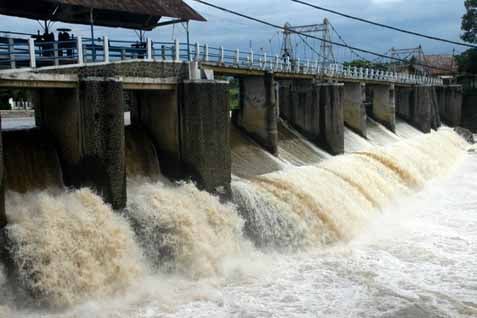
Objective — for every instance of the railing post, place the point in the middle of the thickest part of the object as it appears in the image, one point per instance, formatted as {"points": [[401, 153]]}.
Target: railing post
{"points": [[264, 60], [79, 47], [149, 49], [251, 57], [55, 53], [163, 52], [106, 49], [31, 49], [298, 64], [237, 57], [197, 51], [177, 51], [11, 52], [222, 55], [206, 52]]}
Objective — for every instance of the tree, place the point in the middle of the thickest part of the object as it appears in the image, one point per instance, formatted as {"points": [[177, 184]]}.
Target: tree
{"points": [[469, 22], [467, 61], [366, 64]]}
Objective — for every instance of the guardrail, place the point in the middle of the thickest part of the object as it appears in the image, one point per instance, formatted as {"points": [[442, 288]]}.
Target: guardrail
{"points": [[21, 52]]}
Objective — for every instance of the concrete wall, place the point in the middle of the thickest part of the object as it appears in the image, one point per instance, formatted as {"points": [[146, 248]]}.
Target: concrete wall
{"points": [[404, 102], [421, 114], [88, 127], [139, 69], [450, 99], [205, 134], [469, 110], [332, 117], [384, 105], [354, 107], [316, 110], [299, 105], [158, 112], [258, 112], [3, 216]]}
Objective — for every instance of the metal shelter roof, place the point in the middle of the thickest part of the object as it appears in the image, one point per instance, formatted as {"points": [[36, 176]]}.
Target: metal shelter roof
{"points": [[132, 14]]}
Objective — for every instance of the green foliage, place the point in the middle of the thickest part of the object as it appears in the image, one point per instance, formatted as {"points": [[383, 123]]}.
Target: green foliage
{"points": [[366, 64], [469, 22], [234, 94], [467, 61]]}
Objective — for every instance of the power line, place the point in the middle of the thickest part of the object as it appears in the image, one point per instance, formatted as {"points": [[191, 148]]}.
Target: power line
{"points": [[311, 36], [344, 42], [384, 25]]}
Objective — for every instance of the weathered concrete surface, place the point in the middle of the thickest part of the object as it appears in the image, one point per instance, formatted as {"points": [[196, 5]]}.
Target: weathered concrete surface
{"points": [[435, 115], [158, 112], [404, 102], [31, 161], [424, 109], [299, 105], [450, 99], [157, 69], [3, 216], [332, 118], [258, 113], [469, 110], [205, 134], [141, 155], [88, 127], [354, 107], [384, 105]]}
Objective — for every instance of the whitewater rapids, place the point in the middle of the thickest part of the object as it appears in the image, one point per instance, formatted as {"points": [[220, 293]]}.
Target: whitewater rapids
{"points": [[348, 237]]}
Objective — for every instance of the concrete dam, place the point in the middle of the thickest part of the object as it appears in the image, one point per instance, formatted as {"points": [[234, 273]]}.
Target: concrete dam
{"points": [[188, 208]]}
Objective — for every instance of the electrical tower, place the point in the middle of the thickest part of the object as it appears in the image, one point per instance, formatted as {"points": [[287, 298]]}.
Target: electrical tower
{"points": [[323, 31], [411, 55]]}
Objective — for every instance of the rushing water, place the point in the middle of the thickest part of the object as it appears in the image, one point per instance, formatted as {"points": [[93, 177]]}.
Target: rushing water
{"points": [[349, 237]]}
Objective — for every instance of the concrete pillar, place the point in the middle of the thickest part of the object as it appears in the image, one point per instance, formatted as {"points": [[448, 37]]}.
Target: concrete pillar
{"points": [[332, 117], [88, 127], [450, 104], [354, 107], [258, 113], [285, 102], [3, 216], [421, 112], [305, 109], [158, 112], [384, 105], [404, 96], [205, 134]]}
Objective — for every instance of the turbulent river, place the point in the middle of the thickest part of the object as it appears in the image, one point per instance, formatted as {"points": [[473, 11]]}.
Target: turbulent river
{"points": [[379, 232]]}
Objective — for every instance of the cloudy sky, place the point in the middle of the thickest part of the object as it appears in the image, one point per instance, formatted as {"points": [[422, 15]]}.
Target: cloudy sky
{"points": [[435, 17]]}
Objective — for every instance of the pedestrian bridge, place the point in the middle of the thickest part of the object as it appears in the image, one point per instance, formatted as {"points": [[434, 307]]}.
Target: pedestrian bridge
{"points": [[23, 52]]}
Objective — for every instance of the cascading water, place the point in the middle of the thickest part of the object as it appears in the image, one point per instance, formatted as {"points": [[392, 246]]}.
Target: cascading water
{"points": [[71, 248], [306, 206]]}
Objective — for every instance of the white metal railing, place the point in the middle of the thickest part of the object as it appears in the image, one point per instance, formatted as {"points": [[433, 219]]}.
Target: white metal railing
{"points": [[21, 52]]}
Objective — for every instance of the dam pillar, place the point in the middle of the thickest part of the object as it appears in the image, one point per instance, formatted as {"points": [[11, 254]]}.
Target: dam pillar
{"points": [[354, 107], [88, 127], [189, 126], [404, 97], [450, 100], [384, 105], [331, 117], [258, 114], [299, 105], [424, 108], [3, 216], [205, 134]]}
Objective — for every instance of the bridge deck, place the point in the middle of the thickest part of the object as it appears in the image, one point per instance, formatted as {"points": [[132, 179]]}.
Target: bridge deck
{"points": [[18, 53]]}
